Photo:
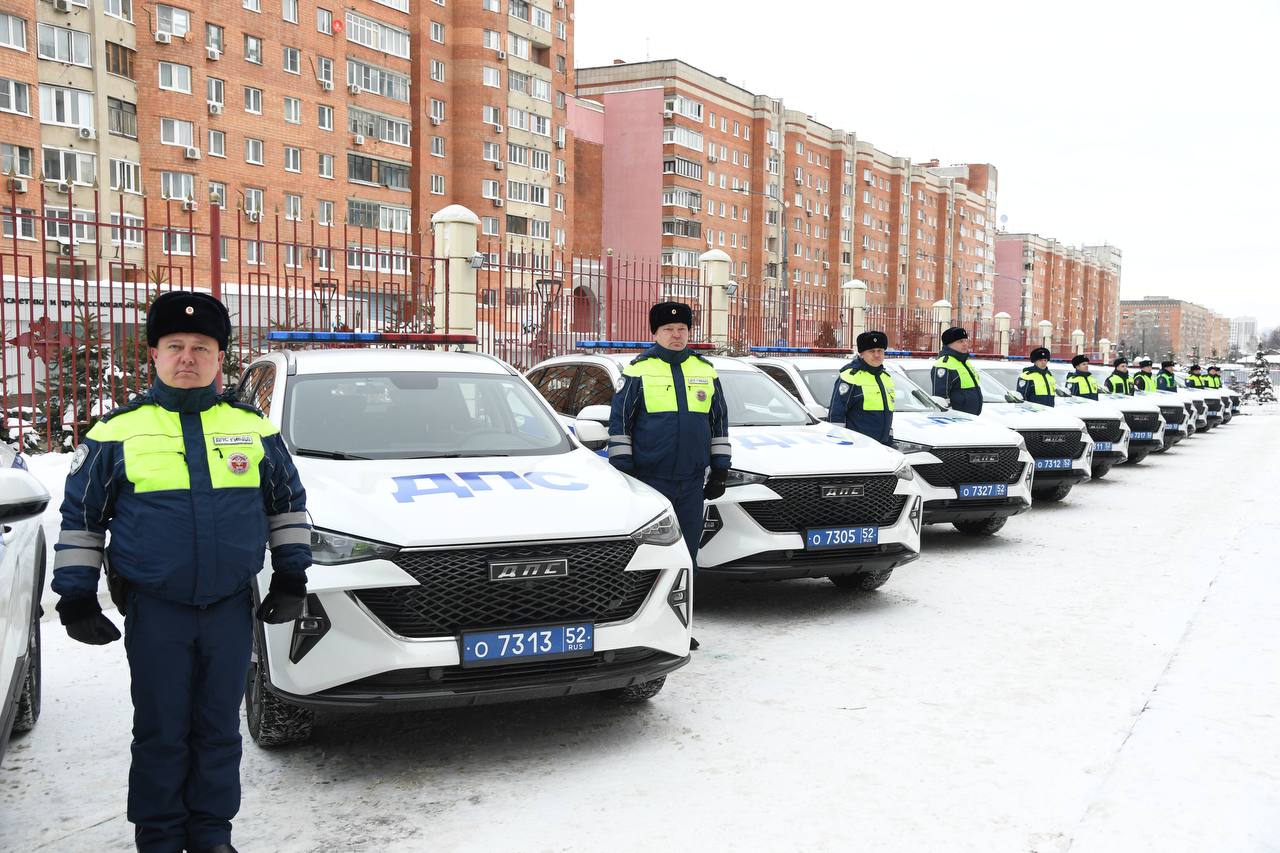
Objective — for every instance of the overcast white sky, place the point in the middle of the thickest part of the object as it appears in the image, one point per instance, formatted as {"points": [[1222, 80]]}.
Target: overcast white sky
{"points": [[1154, 126]]}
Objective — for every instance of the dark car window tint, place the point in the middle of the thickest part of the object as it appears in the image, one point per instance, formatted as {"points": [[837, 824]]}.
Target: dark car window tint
{"points": [[594, 389], [264, 388], [783, 379], [556, 385]]}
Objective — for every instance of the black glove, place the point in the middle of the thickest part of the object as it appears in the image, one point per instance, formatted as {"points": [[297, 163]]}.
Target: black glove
{"points": [[716, 481], [284, 599], [85, 623]]}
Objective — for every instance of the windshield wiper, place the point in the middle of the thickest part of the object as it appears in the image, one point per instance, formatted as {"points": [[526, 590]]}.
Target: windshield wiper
{"points": [[467, 455], [326, 454]]}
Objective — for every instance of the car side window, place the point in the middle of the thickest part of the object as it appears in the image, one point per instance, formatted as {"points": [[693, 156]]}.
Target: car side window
{"points": [[556, 385], [594, 388], [783, 379], [245, 389], [265, 387]]}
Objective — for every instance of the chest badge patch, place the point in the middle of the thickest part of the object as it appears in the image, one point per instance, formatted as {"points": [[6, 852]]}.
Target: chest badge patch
{"points": [[238, 463], [702, 396]]}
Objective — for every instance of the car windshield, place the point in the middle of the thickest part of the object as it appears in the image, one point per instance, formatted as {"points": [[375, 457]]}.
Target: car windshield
{"points": [[992, 390], [412, 415], [756, 400]]}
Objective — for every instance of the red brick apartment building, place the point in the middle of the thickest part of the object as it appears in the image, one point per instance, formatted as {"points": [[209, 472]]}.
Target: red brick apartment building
{"points": [[351, 124], [1039, 278], [1162, 327]]}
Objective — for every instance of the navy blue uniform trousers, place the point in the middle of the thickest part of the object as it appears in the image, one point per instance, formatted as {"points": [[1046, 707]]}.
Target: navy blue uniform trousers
{"points": [[188, 665], [686, 499]]}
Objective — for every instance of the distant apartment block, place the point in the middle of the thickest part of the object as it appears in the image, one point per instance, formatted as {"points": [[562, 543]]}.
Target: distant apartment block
{"points": [[1244, 335], [1161, 327], [1040, 278]]}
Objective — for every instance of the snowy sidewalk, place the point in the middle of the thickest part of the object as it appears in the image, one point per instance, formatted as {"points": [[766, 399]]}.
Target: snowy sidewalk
{"points": [[1101, 676]]}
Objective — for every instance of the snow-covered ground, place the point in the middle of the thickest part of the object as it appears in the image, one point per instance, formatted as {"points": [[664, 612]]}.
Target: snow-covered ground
{"points": [[1102, 676]]}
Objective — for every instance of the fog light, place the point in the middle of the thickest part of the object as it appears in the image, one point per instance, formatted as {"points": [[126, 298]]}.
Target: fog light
{"points": [[916, 512], [680, 596], [308, 629], [711, 525]]}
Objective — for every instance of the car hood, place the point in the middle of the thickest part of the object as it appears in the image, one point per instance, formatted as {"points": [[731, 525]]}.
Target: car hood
{"points": [[410, 502], [1022, 416], [1127, 404], [813, 449], [950, 429], [1085, 408]]}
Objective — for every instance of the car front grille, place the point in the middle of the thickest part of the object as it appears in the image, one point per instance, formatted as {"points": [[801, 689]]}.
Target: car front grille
{"points": [[1104, 430], [1054, 444], [1142, 421], [957, 466], [803, 506], [456, 594], [1172, 415], [1214, 404], [1199, 404]]}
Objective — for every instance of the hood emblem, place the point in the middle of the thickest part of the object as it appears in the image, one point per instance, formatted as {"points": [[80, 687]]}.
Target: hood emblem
{"points": [[521, 570], [850, 490], [1054, 439], [984, 458]]}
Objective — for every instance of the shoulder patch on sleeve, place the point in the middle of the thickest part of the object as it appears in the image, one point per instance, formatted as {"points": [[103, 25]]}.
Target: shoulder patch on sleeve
{"points": [[941, 372], [77, 458]]}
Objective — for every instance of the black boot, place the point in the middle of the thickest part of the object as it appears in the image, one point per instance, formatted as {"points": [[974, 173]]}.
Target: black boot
{"points": [[217, 848]]}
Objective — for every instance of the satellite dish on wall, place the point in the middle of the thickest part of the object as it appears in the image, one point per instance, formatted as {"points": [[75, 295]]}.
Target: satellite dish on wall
{"points": [[1004, 217]]}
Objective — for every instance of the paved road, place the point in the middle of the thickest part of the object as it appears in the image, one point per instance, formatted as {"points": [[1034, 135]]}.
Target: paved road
{"points": [[1101, 676]]}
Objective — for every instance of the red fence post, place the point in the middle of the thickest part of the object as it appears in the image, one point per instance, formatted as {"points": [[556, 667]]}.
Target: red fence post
{"points": [[215, 249]]}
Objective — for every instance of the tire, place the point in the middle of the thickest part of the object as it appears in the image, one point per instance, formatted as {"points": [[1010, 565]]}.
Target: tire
{"points": [[271, 720], [29, 697], [862, 581], [1136, 456], [1051, 494], [985, 527], [636, 693], [1101, 469]]}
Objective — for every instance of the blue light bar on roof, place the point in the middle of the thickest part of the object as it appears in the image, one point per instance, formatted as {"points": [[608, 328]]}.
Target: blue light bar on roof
{"points": [[803, 350], [368, 338], [628, 345]]}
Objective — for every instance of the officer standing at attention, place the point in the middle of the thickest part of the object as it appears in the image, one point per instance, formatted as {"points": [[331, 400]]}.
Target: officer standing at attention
{"points": [[1145, 380], [1214, 379], [1194, 379], [192, 486], [953, 377], [1080, 382], [670, 421], [1036, 384], [863, 396], [1165, 380], [1119, 382]]}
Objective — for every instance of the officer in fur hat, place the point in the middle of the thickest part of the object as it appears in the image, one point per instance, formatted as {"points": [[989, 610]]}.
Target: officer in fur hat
{"points": [[863, 396], [1036, 384], [1080, 382]]}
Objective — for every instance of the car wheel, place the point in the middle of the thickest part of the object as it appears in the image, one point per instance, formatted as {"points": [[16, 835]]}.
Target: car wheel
{"points": [[642, 692], [985, 527], [271, 720], [1101, 469], [29, 698], [1136, 456], [863, 581], [1051, 494]]}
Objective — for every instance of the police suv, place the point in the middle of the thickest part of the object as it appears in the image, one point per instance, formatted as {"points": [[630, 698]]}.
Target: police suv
{"points": [[805, 499], [1058, 442], [971, 472], [1145, 419], [1105, 423], [467, 550]]}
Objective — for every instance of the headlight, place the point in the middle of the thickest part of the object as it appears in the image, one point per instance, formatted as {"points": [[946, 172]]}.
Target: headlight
{"points": [[910, 446], [663, 530], [331, 549], [904, 471], [1022, 441], [743, 478]]}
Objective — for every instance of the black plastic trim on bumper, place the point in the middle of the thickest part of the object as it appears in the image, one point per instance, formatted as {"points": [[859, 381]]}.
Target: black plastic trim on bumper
{"points": [[1073, 475], [1149, 443], [540, 686], [1104, 455], [798, 563], [942, 511]]}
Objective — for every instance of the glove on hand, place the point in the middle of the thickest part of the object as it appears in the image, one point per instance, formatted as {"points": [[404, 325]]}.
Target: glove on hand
{"points": [[85, 623], [716, 481], [284, 599]]}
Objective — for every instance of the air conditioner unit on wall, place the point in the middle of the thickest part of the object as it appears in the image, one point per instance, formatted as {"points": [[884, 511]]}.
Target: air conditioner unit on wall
{"points": [[497, 167], [327, 85], [192, 153], [502, 54], [62, 187], [435, 122], [62, 5], [87, 133], [213, 53], [164, 38], [497, 202], [497, 128], [358, 139], [353, 89], [189, 205], [254, 215], [215, 108], [16, 185]]}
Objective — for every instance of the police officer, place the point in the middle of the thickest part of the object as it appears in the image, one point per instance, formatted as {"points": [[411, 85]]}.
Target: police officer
{"points": [[953, 376], [1036, 384], [1119, 382], [1194, 379], [863, 396], [1080, 382], [192, 487], [1165, 380], [1145, 380], [1214, 379]]}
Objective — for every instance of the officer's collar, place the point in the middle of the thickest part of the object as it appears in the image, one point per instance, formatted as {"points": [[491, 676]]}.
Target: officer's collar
{"points": [[184, 399], [947, 350], [859, 364], [670, 356]]}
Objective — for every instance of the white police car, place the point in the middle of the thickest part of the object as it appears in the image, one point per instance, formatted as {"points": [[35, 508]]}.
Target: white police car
{"points": [[467, 550], [1057, 441], [972, 473], [1144, 418], [22, 570], [804, 499], [1218, 403]]}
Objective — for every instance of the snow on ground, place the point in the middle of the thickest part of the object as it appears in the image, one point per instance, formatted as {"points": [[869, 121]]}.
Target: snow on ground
{"points": [[1102, 676]]}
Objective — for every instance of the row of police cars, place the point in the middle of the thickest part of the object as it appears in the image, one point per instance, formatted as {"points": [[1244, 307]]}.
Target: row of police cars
{"points": [[471, 544]]}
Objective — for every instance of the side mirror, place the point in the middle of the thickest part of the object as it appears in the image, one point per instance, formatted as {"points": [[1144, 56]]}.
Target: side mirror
{"points": [[21, 496], [1014, 397], [941, 401], [592, 427], [819, 412]]}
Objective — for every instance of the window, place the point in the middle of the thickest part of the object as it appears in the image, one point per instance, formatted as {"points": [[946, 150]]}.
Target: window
{"points": [[13, 32], [489, 226], [402, 5], [682, 136], [684, 168], [253, 151], [292, 159], [491, 151], [252, 49], [253, 199], [324, 212], [175, 77], [292, 60], [542, 19], [370, 170], [120, 60], [492, 40], [133, 226], [292, 206], [489, 189], [491, 6], [324, 21], [63, 45], [15, 97], [437, 32], [217, 143], [252, 5], [218, 194], [437, 146], [560, 202], [683, 106], [122, 118], [58, 224], [325, 167], [437, 70], [214, 37], [74, 167], [172, 20], [252, 100], [437, 184], [519, 9], [540, 229], [541, 89], [324, 117], [24, 219], [387, 129], [376, 35], [324, 69], [380, 81], [16, 159], [292, 110], [492, 77], [491, 114], [518, 46], [437, 109], [177, 242], [215, 90], [179, 185], [540, 160], [177, 132], [289, 10]]}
